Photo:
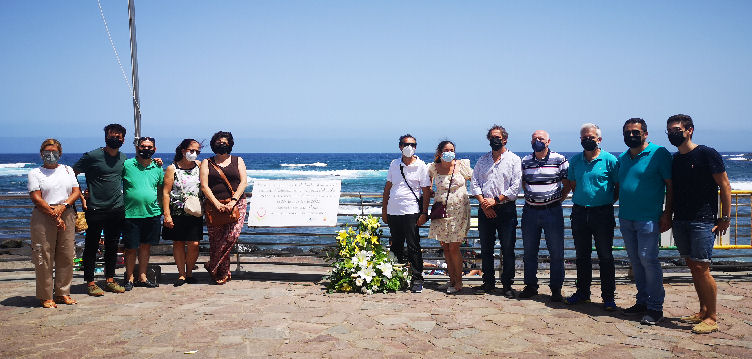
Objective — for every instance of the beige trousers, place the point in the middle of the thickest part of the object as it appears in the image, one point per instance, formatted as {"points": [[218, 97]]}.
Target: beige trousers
{"points": [[52, 249]]}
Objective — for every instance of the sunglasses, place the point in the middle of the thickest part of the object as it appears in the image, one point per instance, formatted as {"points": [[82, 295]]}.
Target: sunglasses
{"points": [[633, 133], [142, 139], [414, 145]]}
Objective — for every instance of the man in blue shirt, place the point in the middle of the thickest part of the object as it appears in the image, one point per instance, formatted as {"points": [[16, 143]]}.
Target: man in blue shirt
{"points": [[592, 176], [644, 181]]}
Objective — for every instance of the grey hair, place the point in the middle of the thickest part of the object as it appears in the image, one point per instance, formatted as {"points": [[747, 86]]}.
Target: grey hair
{"points": [[588, 126]]}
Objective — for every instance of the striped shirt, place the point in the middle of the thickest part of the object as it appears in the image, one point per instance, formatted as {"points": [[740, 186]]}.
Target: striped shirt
{"points": [[541, 179]]}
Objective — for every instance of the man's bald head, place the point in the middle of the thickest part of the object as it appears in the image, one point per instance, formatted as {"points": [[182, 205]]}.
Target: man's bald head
{"points": [[541, 135]]}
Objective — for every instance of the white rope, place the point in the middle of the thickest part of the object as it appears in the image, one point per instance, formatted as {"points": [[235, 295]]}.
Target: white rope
{"points": [[117, 56]]}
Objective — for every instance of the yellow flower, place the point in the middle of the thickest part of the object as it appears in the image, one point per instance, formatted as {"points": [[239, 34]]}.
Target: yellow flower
{"points": [[374, 239]]}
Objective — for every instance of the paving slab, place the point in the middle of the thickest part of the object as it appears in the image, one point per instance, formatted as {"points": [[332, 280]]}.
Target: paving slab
{"points": [[278, 306]]}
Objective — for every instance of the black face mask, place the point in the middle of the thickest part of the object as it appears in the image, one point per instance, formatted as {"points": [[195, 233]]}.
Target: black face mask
{"points": [[222, 149], [145, 153], [113, 142], [496, 143], [589, 144], [676, 138], [633, 141]]}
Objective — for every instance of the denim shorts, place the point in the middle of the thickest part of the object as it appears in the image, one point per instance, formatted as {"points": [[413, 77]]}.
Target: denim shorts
{"points": [[137, 231], [694, 239]]}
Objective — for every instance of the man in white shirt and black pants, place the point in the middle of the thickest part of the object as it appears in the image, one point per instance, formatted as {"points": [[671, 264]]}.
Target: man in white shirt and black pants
{"points": [[405, 207]]}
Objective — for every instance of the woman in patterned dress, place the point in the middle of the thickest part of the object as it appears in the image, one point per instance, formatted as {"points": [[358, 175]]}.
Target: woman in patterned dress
{"points": [[450, 177], [223, 238], [181, 181]]}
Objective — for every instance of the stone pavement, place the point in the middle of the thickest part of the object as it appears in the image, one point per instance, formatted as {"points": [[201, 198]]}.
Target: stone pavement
{"points": [[277, 307]]}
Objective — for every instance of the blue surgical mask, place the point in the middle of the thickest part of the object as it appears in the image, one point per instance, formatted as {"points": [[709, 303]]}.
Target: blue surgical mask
{"points": [[539, 146], [447, 156]]}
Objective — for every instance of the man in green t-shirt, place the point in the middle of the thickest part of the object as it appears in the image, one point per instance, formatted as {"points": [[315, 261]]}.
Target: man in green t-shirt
{"points": [[142, 182], [103, 168]]}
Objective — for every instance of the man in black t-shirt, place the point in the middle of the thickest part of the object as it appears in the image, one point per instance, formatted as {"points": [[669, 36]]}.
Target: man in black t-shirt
{"points": [[698, 172]]}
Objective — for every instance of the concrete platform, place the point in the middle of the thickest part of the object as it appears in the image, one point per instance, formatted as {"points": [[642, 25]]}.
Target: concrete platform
{"points": [[277, 307]]}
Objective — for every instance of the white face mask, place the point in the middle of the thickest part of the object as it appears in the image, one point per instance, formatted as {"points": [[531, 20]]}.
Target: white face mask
{"points": [[191, 156], [408, 151]]}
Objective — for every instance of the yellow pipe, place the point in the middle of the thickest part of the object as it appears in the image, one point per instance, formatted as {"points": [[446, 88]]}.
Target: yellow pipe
{"points": [[733, 246]]}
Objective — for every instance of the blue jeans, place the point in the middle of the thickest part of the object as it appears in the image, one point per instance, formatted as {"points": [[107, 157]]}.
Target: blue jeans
{"points": [[505, 224], [694, 239], [550, 220], [641, 239]]}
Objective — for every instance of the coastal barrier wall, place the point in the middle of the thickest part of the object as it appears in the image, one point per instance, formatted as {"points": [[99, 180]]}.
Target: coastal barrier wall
{"points": [[732, 250]]}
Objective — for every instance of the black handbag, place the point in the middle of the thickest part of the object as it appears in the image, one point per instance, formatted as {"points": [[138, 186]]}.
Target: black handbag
{"points": [[438, 210]]}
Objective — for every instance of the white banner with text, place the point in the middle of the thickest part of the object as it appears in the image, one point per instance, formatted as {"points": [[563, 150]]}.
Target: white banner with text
{"points": [[292, 203]]}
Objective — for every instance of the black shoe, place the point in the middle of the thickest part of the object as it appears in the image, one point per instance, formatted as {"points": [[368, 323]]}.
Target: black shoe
{"points": [[128, 286], [179, 282], [508, 292], [191, 280], [635, 309], [652, 317], [145, 284], [484, 289], [528, 292], [556, 296]]}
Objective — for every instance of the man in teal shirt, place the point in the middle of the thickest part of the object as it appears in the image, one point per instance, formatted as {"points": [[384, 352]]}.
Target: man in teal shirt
{"points": [[142, 182], [593, 178], [644, 182]]}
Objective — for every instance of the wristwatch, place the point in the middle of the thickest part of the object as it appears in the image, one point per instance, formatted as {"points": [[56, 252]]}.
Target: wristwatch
{"points": [[725, 219], [497, 200]]}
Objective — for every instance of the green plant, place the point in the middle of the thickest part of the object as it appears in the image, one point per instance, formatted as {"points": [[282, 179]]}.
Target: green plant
{"points": [[361, 264]]}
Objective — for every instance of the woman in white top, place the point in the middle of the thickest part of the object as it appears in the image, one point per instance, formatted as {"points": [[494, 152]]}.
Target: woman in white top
{"points": [[54, 189], [450, 176], [181, 183]]}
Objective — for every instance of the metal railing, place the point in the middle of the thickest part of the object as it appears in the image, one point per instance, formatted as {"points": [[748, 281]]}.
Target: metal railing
{"points": [[737, 243]]}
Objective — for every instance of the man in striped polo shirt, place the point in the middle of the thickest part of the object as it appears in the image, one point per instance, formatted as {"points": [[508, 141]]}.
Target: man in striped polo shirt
{"points": [[544, 181]]}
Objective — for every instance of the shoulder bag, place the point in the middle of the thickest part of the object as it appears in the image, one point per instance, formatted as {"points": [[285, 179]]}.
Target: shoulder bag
{"points": [[213, 216], [419, 200], [438, 210]]}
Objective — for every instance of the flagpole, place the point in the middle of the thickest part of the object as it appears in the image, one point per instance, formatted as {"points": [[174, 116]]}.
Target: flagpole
{"points": [[134, 70]]}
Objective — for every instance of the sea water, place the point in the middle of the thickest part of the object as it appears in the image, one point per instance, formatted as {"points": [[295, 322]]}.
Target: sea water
{"points": [[359, 172]]}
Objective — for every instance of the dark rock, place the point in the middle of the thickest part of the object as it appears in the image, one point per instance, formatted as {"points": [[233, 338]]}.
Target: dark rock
{"points": [[12, 243]]}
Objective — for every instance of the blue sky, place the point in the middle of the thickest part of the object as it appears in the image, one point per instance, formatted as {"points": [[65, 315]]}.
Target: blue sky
{"points": [[351, 76]]}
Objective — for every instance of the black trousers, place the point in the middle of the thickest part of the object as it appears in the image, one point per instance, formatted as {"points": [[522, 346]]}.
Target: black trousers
{"points": [[505, 225], [594, 224], [404, 228], [111, 222]]}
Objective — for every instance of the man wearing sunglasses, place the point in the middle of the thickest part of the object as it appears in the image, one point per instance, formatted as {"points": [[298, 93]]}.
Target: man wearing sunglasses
{"points": [[405, 207], [142, 182], [698, 173], [644, 181]]}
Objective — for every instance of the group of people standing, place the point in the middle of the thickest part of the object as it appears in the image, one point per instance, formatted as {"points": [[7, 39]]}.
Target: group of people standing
{"points": [[655, 190], [127, 198]]}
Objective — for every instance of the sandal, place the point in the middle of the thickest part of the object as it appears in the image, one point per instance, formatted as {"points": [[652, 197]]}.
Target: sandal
{"points": [[48, 303], [65, 299]]}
